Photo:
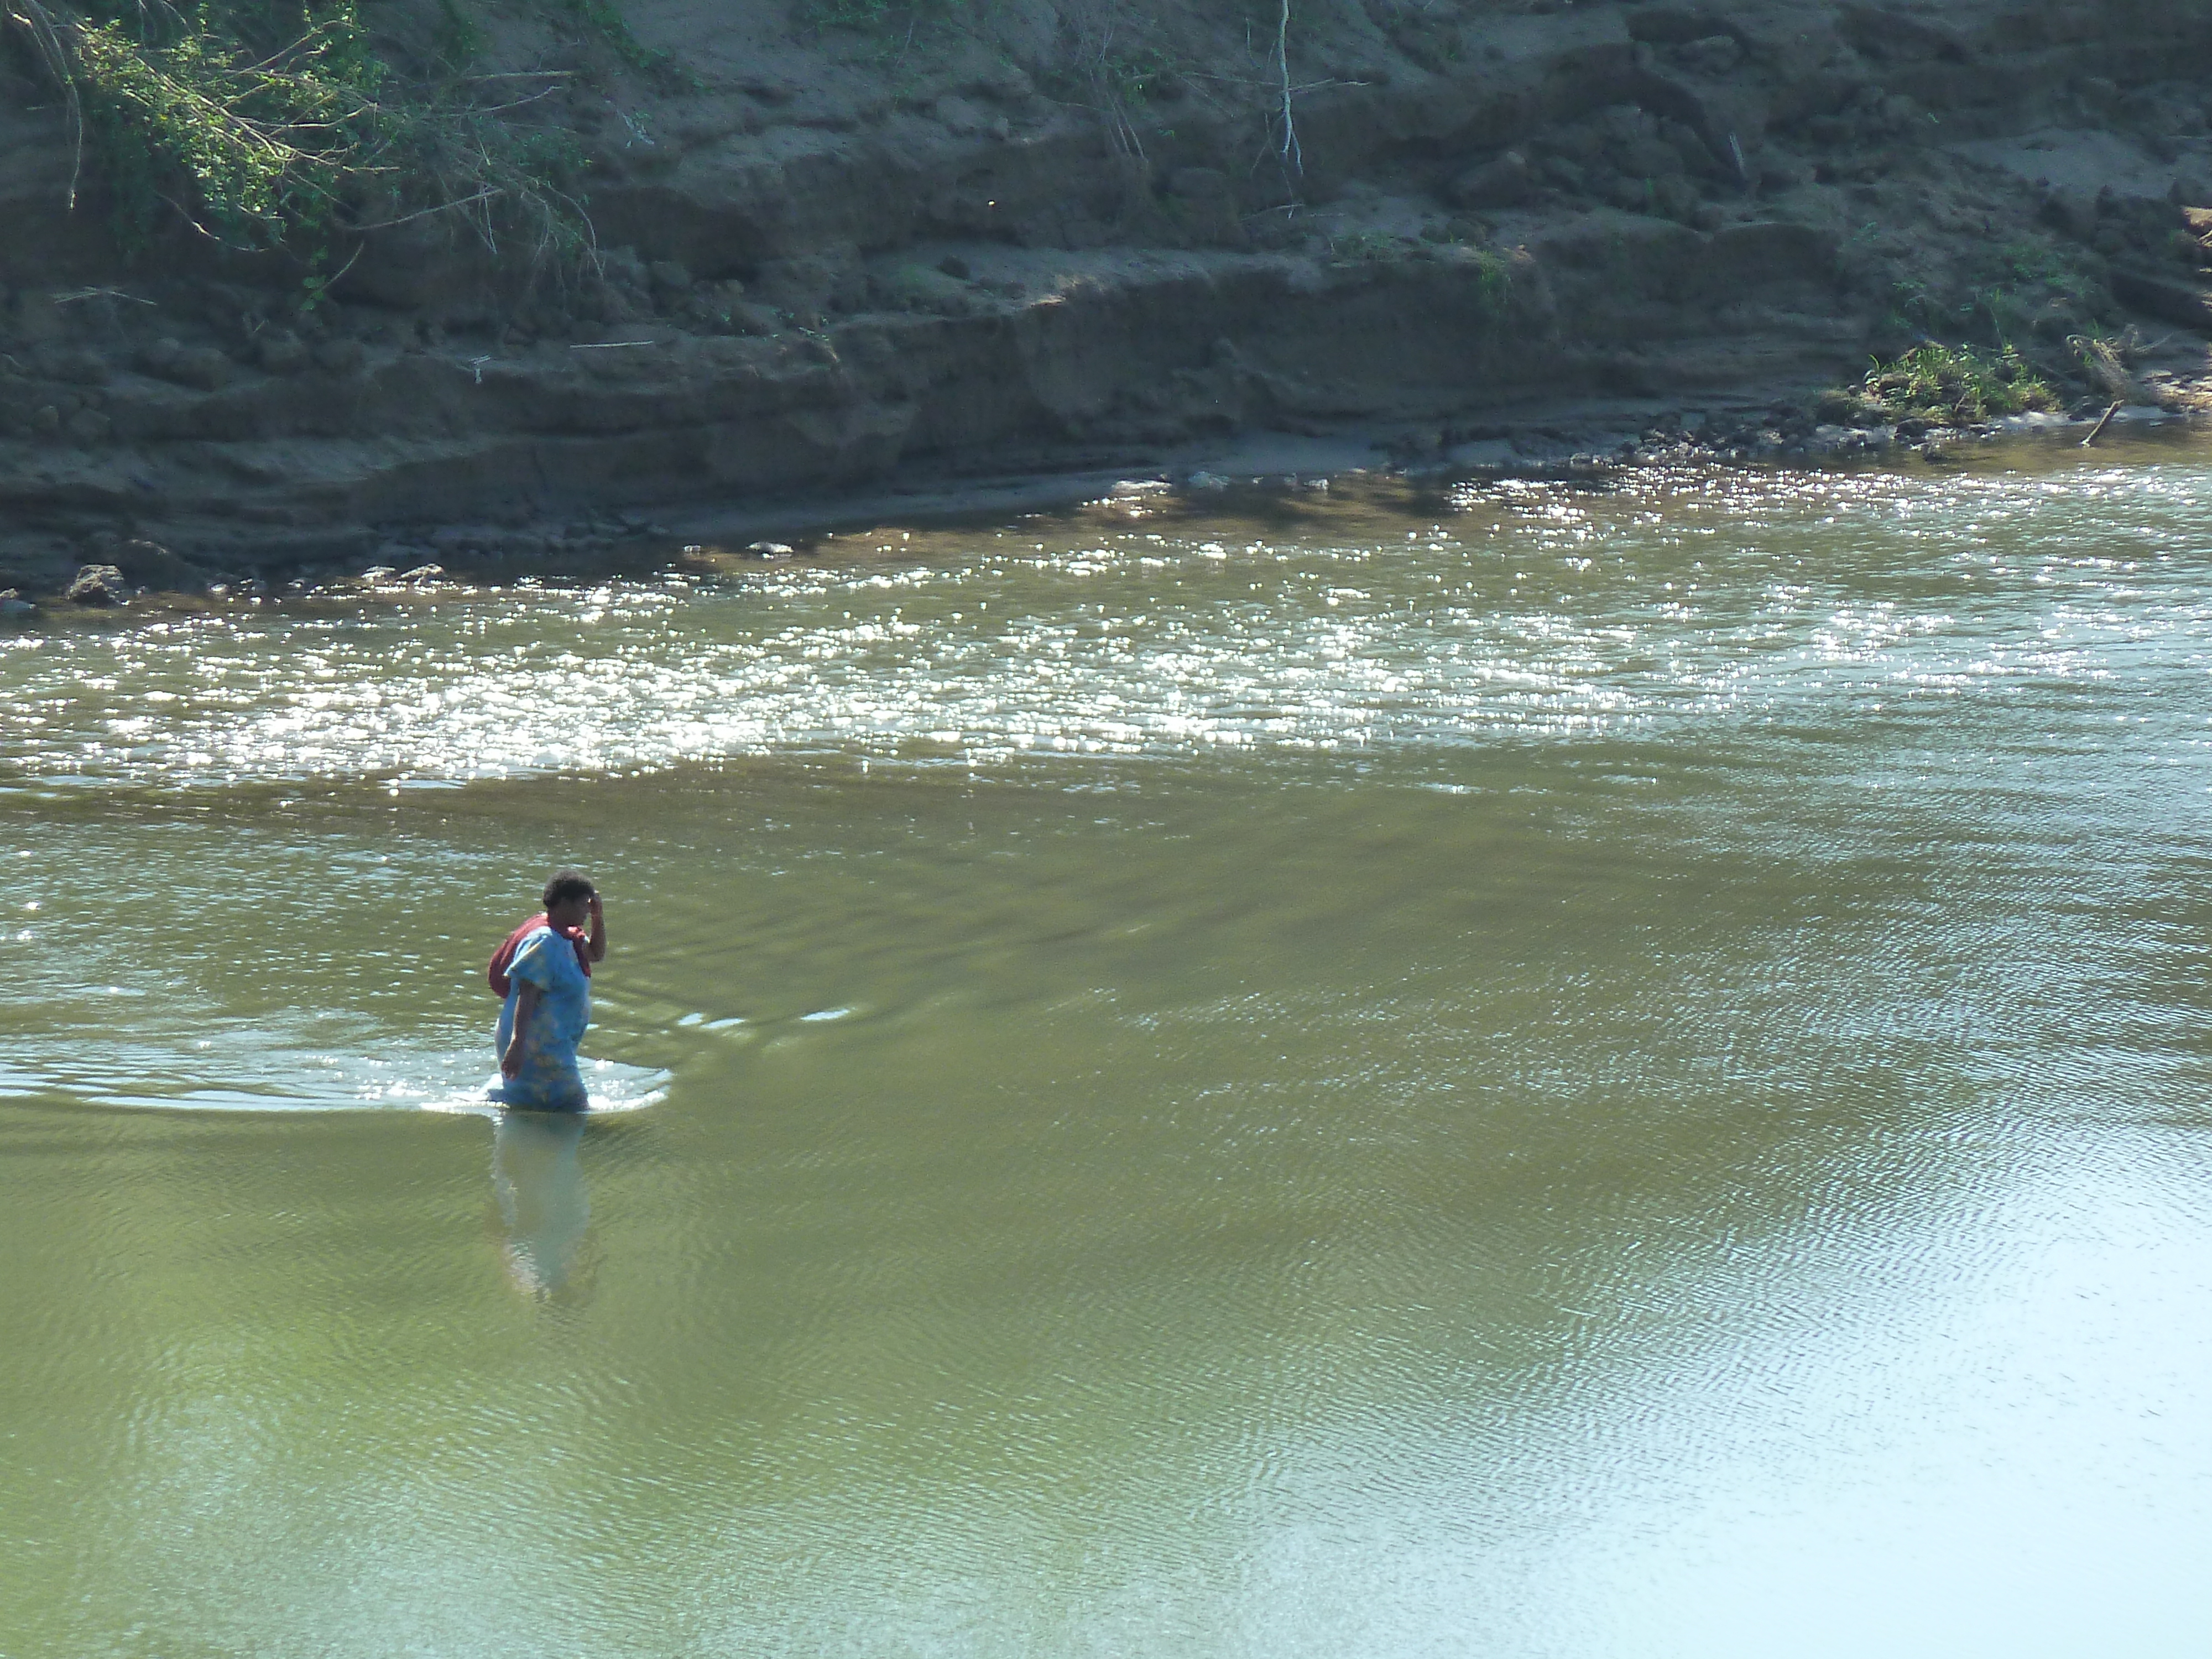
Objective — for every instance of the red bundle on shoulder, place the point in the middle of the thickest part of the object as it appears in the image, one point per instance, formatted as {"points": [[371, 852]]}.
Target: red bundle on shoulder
{"points": [[503, 958]]}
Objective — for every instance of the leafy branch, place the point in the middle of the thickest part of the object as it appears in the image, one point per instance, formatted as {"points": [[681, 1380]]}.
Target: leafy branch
{"points": [[263, 130]]}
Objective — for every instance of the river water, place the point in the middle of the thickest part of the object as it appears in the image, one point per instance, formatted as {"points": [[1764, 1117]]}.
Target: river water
{"points": [[1514, 1070]]}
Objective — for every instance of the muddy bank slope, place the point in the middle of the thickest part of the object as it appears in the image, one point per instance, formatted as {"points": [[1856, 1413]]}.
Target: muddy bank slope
{"points": [[834, 253]]}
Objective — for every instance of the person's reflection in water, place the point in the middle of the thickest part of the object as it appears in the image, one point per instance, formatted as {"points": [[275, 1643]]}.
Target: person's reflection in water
{"points": [[540, 1186]]}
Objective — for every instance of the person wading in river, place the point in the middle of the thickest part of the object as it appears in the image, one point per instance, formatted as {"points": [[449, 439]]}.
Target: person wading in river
{"points": [[544, 972]]}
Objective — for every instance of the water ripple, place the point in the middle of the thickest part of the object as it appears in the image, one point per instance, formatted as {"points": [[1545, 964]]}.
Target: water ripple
{"points": [[1523, 612]]}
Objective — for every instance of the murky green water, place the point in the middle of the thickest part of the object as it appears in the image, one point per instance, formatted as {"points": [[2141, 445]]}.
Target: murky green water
{"points": [[1531, 1073]]}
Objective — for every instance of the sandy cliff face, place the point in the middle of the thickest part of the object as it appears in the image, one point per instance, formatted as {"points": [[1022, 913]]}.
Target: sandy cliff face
{"points": [[831, 256]]}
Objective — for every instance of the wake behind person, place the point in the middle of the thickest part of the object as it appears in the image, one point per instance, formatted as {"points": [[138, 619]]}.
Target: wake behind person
{"points": [[544, 972]]}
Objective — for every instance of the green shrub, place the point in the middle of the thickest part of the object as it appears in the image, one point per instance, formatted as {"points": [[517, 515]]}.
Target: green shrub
{"points": [[1494, 280], [1949, 384], [265, 138], [272, 124], [601, 16]]}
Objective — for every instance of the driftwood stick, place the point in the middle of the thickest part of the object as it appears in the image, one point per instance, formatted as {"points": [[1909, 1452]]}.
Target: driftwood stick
{"points": [[2098, 430]]}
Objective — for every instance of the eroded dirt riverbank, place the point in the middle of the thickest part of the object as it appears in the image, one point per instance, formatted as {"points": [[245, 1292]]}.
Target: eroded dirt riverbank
{"points": [[836, 269]]}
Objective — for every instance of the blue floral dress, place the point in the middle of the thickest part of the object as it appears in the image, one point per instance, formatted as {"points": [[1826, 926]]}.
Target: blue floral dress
{"points": [[549, 1080]]}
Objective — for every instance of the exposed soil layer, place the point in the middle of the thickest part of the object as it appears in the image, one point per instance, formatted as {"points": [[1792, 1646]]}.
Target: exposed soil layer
{"points": [[835, 266]]}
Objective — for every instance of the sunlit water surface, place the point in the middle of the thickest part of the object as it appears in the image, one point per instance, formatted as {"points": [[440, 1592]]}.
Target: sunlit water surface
{"points": [[1508, 1071]]}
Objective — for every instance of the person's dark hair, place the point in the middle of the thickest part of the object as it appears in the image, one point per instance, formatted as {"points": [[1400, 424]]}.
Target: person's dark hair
{"points": [[567, 884]]}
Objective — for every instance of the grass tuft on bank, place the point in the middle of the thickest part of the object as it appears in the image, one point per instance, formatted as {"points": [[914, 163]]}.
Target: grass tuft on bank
{"points": [[1943, 385]]}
